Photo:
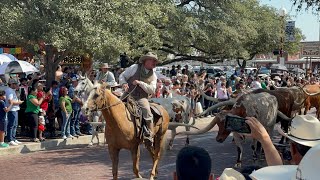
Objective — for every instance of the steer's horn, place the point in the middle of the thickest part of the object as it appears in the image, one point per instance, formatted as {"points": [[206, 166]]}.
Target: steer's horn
{"points": [[201, 131], [283, 116], [209, 97], [309, 94], [174, 124], [220, 104]]}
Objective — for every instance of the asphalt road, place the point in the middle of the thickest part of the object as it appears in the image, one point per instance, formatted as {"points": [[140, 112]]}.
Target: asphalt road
{"points": [[95, 163]]}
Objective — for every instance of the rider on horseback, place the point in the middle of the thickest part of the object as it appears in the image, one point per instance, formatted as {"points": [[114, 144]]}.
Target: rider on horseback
{"points": [[142, 77]]}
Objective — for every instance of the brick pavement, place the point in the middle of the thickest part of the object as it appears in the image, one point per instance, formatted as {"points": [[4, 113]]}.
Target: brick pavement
{"points": [[94, 163]]}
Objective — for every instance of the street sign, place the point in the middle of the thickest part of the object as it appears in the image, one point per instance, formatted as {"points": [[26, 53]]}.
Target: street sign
{"points": [[290, 31], [310, 49]]}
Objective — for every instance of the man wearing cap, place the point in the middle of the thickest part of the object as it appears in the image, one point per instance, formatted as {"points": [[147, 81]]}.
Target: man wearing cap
{"points": [[12, 115], [76, 107], [105, 75], [304, 134], [141, 81]]}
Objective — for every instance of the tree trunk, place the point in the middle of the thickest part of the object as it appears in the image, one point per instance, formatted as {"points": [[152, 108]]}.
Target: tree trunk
{"points": [[51, 61], [243, 65]]}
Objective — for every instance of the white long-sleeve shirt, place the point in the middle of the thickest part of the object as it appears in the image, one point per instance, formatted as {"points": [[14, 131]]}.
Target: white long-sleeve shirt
{"points": [[130, 71]]}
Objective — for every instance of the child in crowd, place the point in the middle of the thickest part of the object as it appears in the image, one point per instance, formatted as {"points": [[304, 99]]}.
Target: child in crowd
{"points": [[3, 119], [41, 126]]}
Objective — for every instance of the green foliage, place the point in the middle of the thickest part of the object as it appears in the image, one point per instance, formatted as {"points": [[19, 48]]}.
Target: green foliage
{"points": [[205, 30], [313, 4]]}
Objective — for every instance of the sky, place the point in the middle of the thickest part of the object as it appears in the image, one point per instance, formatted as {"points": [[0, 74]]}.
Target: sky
{"points": [[305, 20]]}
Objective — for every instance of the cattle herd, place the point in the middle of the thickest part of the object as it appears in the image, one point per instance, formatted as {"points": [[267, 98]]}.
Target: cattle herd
{"points": [[270, 105]]}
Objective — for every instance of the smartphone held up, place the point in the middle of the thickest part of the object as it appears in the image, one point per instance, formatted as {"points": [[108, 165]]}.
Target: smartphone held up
{"points": [[237, 124]]}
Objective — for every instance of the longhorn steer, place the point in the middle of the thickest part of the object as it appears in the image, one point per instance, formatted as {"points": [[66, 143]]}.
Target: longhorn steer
{"points": [[263, 106], [312, 100], [179, 110]]}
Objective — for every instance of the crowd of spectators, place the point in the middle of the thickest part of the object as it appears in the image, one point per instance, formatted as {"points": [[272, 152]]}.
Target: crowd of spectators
{"points": [[60, 106], [55, 112]]}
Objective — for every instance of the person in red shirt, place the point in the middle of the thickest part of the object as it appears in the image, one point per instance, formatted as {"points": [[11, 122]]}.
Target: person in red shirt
{"points": [[41, 93], [44, 105]]}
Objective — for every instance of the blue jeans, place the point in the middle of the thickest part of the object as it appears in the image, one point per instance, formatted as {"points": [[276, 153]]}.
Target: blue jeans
{"points": [[12, 125], [74, 124], [65, 128]]}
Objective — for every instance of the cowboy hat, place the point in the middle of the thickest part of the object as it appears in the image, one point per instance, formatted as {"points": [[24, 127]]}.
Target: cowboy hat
{"points": [[13, 81], [304, 130], [149, 55], [74, 78], [104, 66], [307, 169], [277, 78], [231, 174]]}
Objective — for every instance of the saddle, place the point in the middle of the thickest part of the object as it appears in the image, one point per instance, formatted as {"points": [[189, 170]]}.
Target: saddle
{"points": [[136, 114]]}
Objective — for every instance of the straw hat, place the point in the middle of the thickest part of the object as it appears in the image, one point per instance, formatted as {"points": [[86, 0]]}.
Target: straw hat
{"points": [[307, 169], [149, 55], [231, 174], [304, 130]]}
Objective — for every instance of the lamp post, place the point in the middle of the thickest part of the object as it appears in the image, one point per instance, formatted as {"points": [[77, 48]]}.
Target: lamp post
{"points": [[282, 13]]}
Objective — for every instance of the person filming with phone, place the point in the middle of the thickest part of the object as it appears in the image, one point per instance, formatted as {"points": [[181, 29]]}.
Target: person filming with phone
{"points": [[304, 134]]}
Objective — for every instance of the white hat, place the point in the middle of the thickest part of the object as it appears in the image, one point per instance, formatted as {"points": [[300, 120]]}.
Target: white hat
{"points": [[277, 78], [149, 55], [231, 174], [307, 169], [74, 79], [304, 130]]}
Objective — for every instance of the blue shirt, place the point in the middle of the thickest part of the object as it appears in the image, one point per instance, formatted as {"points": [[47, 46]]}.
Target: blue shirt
{"points": [[75, 105], [55, 94], [11, 94]]}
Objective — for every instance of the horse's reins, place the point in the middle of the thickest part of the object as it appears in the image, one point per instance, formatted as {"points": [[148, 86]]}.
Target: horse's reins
{"points": [[120, 101]]}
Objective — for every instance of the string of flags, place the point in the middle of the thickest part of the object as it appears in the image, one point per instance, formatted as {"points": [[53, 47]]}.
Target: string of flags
{"points": [[11, 50]]}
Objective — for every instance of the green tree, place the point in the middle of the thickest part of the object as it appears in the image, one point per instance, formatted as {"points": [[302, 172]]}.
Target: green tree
{"points": [[204, 30], [218, 30], [62, 27], [313, 4]]}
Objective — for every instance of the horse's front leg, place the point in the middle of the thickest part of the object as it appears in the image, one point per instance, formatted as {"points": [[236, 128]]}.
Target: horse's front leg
{"points": [[97, 135], [114, 154], [173, 135], [93, 135], [158, 145], [135, 153]]}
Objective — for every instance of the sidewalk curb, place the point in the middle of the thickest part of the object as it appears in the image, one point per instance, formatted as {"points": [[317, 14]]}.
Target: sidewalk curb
{"points": [[50, 144]]}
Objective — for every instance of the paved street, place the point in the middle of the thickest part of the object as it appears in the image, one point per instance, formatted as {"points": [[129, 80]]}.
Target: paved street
{"points": [[94, 163]]}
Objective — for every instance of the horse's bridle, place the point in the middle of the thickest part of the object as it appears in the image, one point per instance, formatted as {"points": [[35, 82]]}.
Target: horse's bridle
{"points": [[119, 102]]}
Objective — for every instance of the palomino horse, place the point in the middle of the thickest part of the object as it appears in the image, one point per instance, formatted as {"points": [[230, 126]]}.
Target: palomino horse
{"points": [[85, 86], [120, 129]]}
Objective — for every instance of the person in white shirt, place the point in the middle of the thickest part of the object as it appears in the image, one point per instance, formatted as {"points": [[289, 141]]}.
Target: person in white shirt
{"points": [[106, 76], [141, 81], [256, 84], [12, 115]]}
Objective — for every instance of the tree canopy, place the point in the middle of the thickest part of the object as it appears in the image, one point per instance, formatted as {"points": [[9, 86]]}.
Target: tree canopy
{"points": [[205, 30], [313, 4]]}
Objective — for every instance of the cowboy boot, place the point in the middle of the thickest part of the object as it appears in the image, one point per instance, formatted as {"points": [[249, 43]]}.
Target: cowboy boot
{"points": [[148, 135]]}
